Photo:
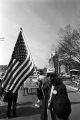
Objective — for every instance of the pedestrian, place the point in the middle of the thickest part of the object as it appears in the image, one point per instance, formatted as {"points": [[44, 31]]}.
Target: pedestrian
{"points": [[39, 93], [11, 99], [25, 89], [12, 102], [39, 83], [52, 88], [57, 89], [45, 89]]}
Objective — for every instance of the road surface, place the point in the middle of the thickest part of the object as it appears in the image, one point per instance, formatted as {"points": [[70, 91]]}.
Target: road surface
{"points": [[27, 111]]}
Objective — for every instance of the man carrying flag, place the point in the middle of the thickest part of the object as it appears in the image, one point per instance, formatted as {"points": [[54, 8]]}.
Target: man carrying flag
{"points": [[19, 69]]}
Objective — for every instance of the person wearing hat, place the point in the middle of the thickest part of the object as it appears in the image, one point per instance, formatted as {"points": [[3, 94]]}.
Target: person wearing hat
{"points": [[53, 88], [57, 89], [46, 93]]}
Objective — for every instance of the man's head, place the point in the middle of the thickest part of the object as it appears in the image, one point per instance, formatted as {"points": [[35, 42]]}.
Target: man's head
{"points": [[50, 72], [52, 76]]}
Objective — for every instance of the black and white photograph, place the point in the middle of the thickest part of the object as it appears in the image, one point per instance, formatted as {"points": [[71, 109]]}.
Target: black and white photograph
{"points": [[40, 59]]}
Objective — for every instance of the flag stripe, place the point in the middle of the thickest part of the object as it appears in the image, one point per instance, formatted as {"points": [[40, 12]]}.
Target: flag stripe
{"points": [[8, 74], [8, 70], [19, 68], [19, 71], [19, 76], [13, 71], [29, 72]]}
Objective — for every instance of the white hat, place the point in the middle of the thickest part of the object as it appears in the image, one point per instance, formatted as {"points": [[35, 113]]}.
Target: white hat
{"points": [[50, 70], [41, 77]]}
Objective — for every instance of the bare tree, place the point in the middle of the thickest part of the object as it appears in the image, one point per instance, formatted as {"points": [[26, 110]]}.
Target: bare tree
{"points": [[69, 44]]}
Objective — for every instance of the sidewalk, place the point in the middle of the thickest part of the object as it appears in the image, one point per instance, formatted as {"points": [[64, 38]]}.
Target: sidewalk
{"points": [[72, 85]]}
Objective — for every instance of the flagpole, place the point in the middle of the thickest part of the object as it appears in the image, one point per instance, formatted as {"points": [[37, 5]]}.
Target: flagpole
{"points": [[30, 53]]}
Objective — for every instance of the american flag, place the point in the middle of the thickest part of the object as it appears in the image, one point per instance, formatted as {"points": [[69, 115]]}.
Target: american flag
{"points": [[20, 66]]}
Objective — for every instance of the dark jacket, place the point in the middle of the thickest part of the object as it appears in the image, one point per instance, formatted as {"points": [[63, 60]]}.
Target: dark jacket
{"points": [[59, 87]]}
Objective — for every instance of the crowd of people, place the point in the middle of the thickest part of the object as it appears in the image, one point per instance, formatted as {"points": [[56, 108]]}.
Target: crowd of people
{"points": [[52, 99]]}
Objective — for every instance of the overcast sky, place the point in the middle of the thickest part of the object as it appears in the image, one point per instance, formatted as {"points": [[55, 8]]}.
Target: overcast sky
{"points": [[40, 20]]}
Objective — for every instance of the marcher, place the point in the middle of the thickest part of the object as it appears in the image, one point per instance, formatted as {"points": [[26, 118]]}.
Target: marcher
{"points": [[39, 83], [12, 101], [45, 89], [39, 94], [54, 87], [25, 89], [57, 89]]}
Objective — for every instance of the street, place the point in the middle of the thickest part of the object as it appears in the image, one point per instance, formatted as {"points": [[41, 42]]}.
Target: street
{"points": [[75, 104], [27, 111]]}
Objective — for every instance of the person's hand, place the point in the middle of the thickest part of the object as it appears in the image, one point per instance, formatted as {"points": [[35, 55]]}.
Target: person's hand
{"points": [[49, 103]]}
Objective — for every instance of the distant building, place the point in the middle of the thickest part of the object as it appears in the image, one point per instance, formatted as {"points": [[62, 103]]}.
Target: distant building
{"points": [[66, 65], [61, 65], [53, 62]]}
